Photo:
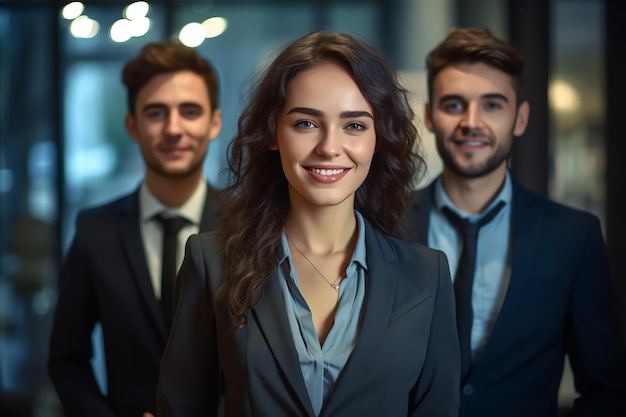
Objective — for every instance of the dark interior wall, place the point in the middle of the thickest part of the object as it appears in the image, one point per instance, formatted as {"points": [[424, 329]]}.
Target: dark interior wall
{"points": [[529, 24], [615, 151]]}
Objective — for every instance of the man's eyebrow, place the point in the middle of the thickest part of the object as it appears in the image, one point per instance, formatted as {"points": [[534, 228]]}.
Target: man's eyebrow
{"points": [[162, 106], [319, 113], [449, 97], [490, 96], [496, 96], [189, 104], [153, 106]]}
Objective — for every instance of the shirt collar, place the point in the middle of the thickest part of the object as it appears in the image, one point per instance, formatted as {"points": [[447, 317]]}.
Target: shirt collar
{"points": [[441, 199], [191, 209]]}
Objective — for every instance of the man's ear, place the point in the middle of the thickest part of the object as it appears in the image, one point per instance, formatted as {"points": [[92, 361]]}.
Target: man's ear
{"points": [[131, 126], [216, 124], [427, 119], [521, 121]]}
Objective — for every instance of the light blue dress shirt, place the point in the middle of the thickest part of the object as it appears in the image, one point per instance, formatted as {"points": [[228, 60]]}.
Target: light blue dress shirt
{"points": [[493, 258], [321, 365]]}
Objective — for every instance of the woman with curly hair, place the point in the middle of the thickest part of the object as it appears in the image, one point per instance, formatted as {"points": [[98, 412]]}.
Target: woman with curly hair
{"points": [[305, 302]]}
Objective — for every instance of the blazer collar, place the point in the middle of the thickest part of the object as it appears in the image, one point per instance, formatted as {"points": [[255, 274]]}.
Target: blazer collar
{"points": [[526, 226], [211, 212], [271, 318], [130, 230], [419, 212], [381, 281]]}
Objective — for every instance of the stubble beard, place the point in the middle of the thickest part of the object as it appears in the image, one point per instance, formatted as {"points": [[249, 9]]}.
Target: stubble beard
{"points": [[501, 154]]}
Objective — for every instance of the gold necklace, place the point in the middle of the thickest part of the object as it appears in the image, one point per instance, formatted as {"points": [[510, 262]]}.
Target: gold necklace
{"points": [[333, 284]]}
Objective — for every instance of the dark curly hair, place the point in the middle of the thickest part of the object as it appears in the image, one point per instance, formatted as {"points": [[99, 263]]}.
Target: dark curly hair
{"points": [[256, 202]]}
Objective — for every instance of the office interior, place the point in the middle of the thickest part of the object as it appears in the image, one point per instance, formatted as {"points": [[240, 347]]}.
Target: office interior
{"points": [[63, 146]]}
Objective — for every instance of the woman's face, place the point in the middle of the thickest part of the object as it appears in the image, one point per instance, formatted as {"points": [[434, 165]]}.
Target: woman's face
{"points": [[325, 136]]}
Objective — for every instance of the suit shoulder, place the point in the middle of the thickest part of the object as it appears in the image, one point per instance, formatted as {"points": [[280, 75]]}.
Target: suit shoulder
{"points": [[424, 264], [107, 207], [555, 211], [103, 218]]}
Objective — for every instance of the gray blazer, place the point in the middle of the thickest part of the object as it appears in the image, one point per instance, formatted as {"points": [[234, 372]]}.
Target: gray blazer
{"points": [[405, 362]]}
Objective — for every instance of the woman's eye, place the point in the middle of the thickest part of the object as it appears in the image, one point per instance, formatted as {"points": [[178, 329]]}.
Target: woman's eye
{"points": [[356, 126], [305, 124]]}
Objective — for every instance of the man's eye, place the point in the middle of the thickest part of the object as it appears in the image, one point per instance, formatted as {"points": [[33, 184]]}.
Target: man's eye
{"points": [[191, 112], [156, 114], [493, 105], [453, 107]]}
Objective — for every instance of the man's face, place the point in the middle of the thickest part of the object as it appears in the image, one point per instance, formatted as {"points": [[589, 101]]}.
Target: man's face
{"points": [[174, 123], [474, 117]]}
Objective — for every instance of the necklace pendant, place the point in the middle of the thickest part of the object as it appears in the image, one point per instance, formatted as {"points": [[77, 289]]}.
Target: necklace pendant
{"points": [[335, 286]]}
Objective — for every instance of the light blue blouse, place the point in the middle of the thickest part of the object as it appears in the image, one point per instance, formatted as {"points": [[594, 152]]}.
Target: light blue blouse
{"points": [[321, 365]]}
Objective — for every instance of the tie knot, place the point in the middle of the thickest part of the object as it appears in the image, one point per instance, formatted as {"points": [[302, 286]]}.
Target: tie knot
{"points": [[467, 228], [171, 225]]}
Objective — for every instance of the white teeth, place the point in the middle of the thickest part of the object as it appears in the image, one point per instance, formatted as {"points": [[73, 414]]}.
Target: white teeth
{"points": [[327, 172]]}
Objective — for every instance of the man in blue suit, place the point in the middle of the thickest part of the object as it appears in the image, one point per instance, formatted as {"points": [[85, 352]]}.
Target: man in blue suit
{"points": [[536, 287], [112, 273]]}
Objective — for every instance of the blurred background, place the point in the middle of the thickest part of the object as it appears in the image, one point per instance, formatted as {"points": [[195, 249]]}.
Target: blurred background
{"points": [[63, 146]]}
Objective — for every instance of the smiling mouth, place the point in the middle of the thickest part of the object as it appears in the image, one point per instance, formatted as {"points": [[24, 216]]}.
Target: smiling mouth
{"points": [[471, 143], [327, 172]]}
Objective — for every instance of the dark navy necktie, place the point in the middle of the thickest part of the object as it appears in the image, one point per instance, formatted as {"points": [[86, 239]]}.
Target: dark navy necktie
{"points": [[464, 279], [171, 227]]}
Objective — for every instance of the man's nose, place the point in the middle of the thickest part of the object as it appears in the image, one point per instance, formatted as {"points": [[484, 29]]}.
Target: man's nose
{"points": [[472, 117]]}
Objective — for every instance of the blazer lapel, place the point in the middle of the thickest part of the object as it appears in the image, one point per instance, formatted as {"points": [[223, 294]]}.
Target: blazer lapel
{"points": [[129, 228], [380, 289], [526, 232], [419, 213], [211, 212], [271, 318], [526, 226]]}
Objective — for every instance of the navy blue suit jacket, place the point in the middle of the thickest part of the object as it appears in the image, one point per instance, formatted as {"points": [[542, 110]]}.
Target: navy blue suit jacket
{"points": [[105, 278], [405, 362], [557, 302]]}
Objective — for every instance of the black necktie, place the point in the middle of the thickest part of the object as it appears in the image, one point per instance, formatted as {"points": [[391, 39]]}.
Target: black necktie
{"points": [[171, 227], [464, 279]]}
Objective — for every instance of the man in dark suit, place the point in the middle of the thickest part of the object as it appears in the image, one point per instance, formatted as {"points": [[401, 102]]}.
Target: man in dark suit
{"points": [[537, 286], [112, 273]]}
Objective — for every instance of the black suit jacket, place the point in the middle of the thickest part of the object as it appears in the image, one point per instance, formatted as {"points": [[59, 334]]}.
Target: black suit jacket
{"points": [[405, 363], [557, 302], [104, 278]]}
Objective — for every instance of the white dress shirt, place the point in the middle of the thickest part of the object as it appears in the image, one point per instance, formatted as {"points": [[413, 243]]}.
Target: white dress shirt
{"points": [[152, 229]]}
